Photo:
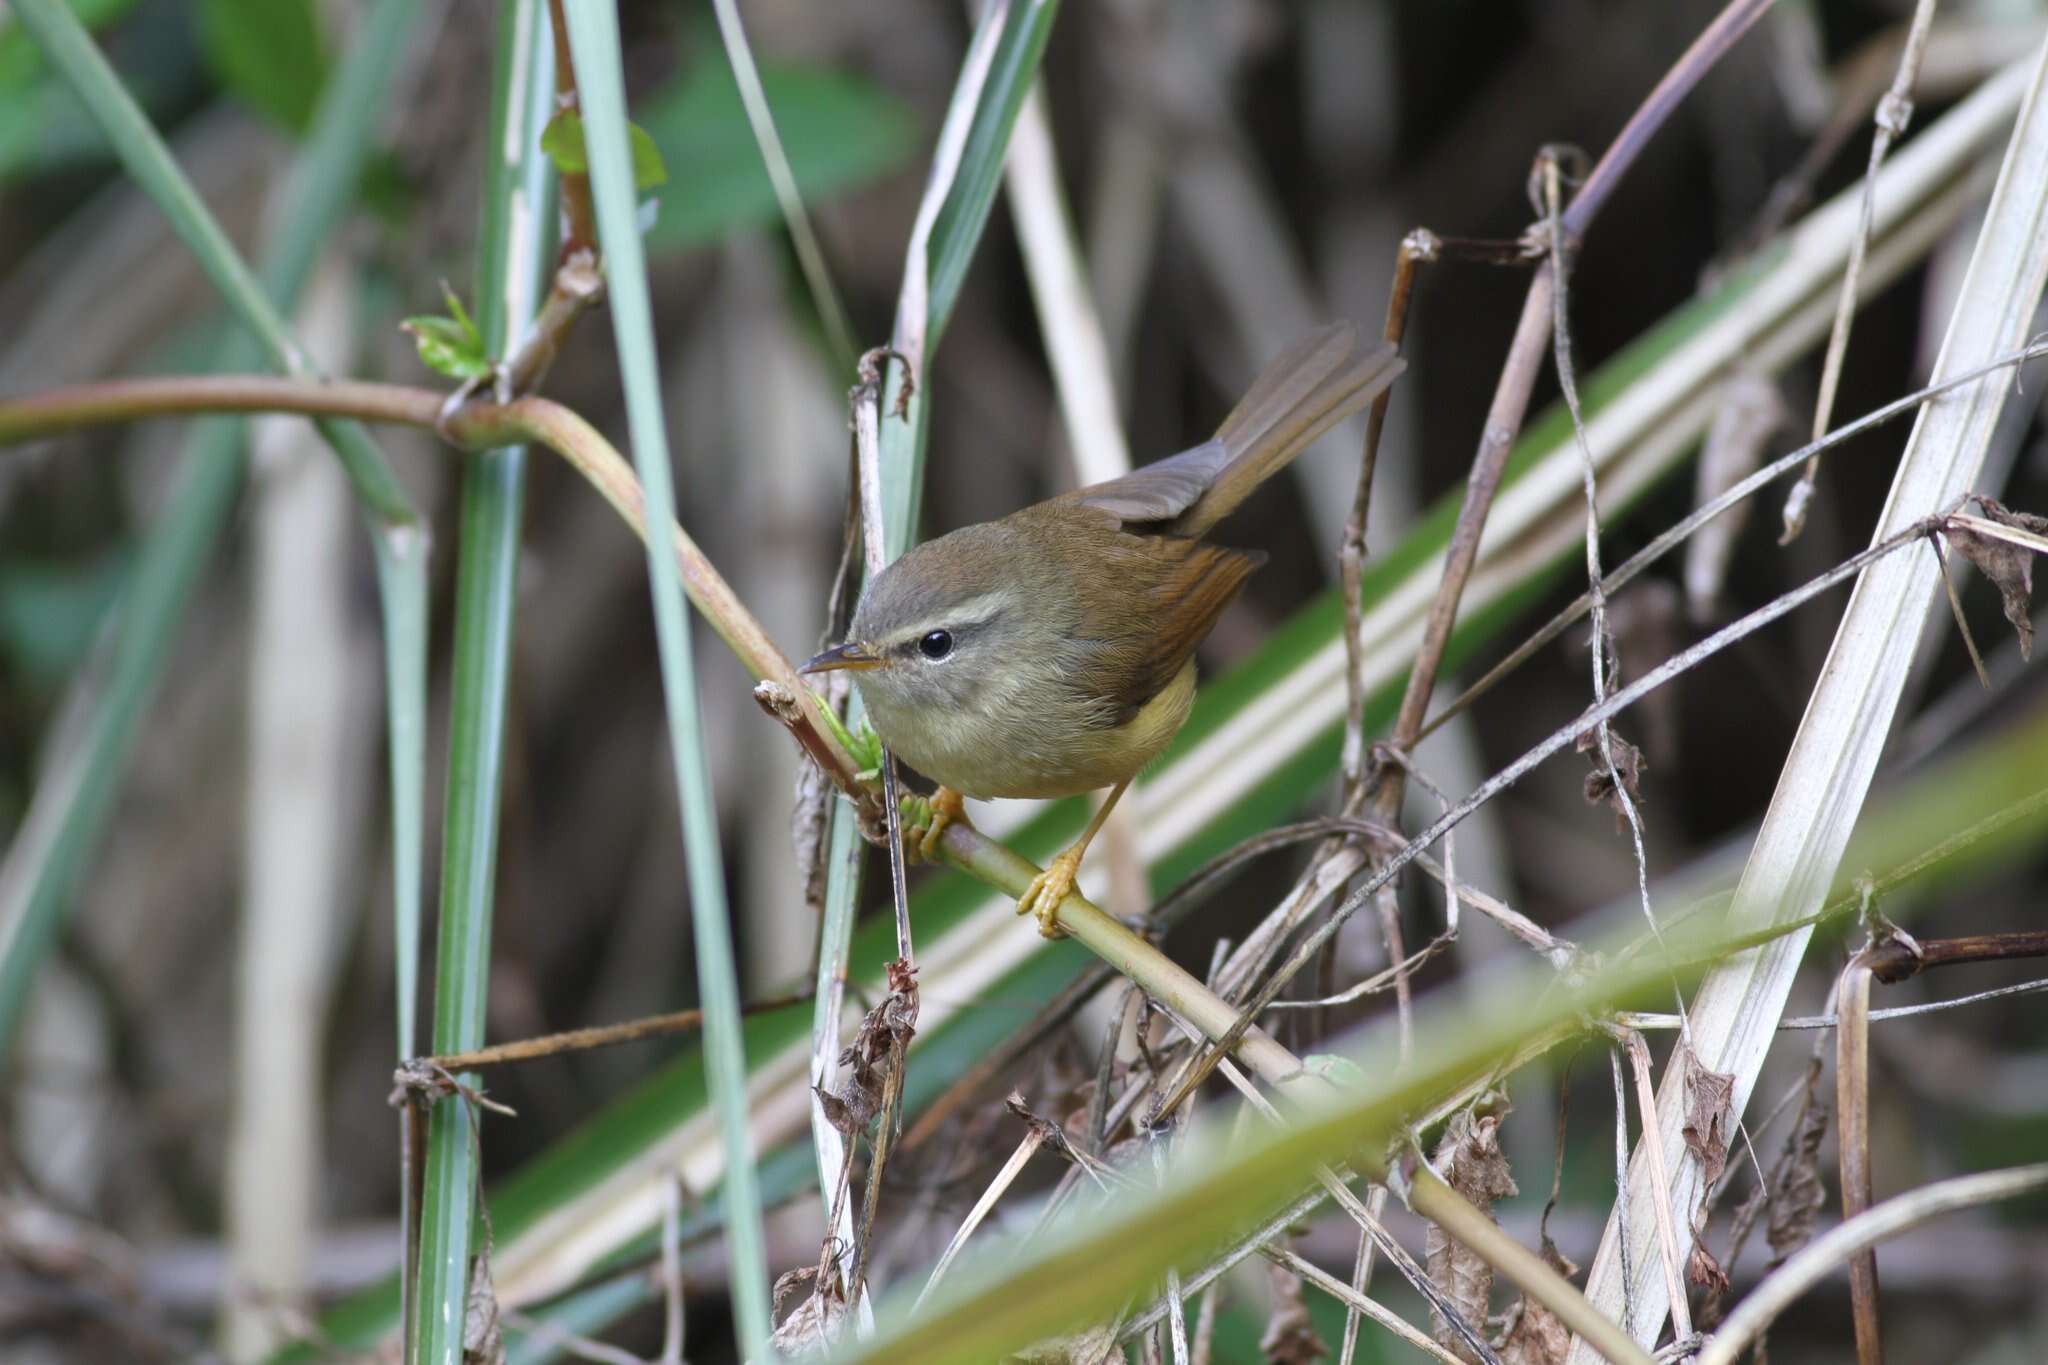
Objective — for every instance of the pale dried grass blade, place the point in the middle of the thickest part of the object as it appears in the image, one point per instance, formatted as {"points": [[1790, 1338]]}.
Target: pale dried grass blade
{"points": [[1821, 790]]}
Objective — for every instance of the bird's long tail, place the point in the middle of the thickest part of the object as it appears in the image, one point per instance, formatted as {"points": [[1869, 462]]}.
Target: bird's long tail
{"points": [[1308, 389]]}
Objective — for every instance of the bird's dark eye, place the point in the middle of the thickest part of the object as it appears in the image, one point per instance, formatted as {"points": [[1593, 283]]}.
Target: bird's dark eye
{"points": [[936, 645]]}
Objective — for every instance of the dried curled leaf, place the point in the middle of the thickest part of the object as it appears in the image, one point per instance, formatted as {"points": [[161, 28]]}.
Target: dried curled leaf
{"points": [[1535, 1335], [1709, 1097], [1470, 1160], [815, 1324], [1704, 1271], [2007, 562], [873, 1055], [482, 1341], [1290, 1336], [1798, 1195], [1629, 767]]}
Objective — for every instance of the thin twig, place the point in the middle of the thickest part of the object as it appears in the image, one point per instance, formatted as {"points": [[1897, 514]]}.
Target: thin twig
{"points": [[1633, 1019], [1551, 175], [1419, 248], [1894, 112], [1852, 1114], [809, 254], [1359, 1304], [1893, 961], [1818, 1258], [1525, 357], [1375, 983], [1955, 606], [545, 1333], [603, 1035], [1354, 1314], [671, 1270], [484, 426], [579, 220], [1620, 1149], [1701, 515], [866, 402], [1176, 1316], [1653, 1147], [1618, 701], [578, 282], [1003, 1180]]}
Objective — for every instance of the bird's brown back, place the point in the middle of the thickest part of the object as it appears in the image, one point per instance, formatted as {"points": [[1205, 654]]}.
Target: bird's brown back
{"points": [[1153, 598]]}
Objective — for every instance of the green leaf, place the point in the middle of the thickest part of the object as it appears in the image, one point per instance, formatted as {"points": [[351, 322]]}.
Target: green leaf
{"points": [[268, 53], [49, 614], [838, 130], [452, 345], [19, 63], [43, 124], [562, 140]]}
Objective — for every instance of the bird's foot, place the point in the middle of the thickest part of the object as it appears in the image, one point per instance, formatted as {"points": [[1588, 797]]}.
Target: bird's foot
{"points": [[933, 813], [1042, 898]]}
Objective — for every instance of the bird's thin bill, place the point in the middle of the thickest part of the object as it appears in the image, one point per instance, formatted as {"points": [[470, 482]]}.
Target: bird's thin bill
{"points": [[852, 654]]}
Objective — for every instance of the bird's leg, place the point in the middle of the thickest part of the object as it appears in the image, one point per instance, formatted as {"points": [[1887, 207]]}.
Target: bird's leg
{"points": [[942, 808], [1042, 898]]}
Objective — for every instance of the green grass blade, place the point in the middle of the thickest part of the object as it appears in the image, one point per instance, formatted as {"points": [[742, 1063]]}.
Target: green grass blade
{"points": [[593, 31], [1027, 24], [402, 557], [335, 151], [493, 486], [809, 253], [1001, 64], [72, 51], [42, 873]]}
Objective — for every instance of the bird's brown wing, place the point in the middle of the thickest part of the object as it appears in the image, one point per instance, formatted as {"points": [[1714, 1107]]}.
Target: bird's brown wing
{"points": [[1317, 382], [1164, 593], [1159, 491]]}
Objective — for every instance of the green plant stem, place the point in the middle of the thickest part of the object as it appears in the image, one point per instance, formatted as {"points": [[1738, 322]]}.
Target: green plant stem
{"points": [[37, 886], [810, 254], [477, 428], [593, 32], [511, 265]]}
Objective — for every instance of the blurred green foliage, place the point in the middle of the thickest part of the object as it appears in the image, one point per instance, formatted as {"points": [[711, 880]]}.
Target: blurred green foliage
{"points": [[839, 130], [49, 613], [450, 345], [268, 54], [42, 122], [562, 140]]}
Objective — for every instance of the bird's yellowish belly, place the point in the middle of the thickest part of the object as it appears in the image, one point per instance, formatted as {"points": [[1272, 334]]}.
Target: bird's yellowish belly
{"points": [[1039, 759]]}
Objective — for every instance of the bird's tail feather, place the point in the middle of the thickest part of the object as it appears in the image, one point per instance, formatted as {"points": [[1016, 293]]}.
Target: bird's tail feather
{"points": [[1308, 389]]}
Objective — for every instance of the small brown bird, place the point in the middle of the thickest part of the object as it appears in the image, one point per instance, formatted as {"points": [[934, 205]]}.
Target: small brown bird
{"points": [[1051, 652]]}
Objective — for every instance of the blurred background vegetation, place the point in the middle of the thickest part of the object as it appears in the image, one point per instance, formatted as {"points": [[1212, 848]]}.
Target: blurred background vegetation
{"points": [[1239, 170]]}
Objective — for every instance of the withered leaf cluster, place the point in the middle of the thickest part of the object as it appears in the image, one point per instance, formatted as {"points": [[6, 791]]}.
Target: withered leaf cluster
{"points": [[2010, 567], [875, 1054]]}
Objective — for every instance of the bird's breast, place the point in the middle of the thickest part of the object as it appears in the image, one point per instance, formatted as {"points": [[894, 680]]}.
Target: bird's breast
{"points": [[1029, 740]]}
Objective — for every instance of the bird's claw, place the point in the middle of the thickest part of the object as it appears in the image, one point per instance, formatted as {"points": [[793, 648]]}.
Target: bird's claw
{"points": [[1041, 900], [939, 810]]}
